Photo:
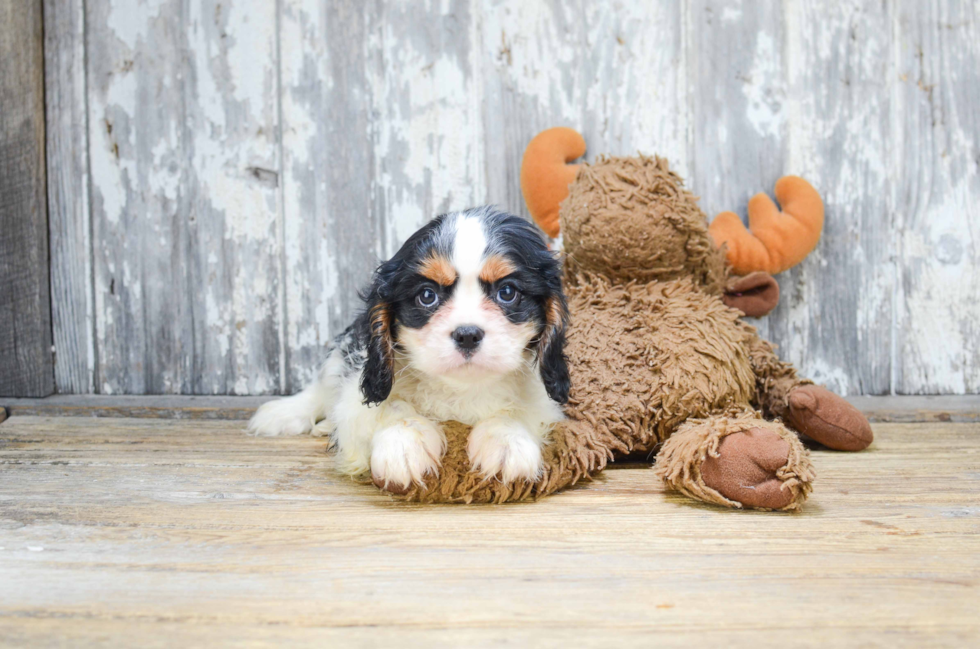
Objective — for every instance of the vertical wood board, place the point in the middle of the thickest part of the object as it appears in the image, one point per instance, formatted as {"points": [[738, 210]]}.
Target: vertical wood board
{"points": [[70, 225], [26, 364], [183, 138]]}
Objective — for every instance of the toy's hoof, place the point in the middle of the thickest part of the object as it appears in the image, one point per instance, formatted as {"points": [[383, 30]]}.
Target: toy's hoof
{"points": [[828, 419], [745, 470]]}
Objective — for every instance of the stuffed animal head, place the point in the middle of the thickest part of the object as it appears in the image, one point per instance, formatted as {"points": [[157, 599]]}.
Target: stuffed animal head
{"points": [[631, 219]]}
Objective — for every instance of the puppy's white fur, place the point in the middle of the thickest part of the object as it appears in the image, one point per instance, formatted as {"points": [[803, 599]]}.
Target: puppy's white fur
{"points": [[399, 441]]}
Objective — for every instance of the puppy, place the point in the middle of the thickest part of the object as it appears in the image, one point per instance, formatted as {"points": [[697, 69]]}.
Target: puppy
{"points": [[466, 322]]}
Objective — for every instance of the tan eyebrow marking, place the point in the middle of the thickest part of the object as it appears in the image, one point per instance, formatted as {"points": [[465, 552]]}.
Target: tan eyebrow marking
{"points": [[496, 267], [439, 269]]}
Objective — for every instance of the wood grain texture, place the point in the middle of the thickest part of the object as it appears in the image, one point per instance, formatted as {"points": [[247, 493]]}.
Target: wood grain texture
{"points": [[561, 64], [835, 317], [738, 66], [69, 219], [183, 133], [171, 532], [909, 409], [937, 215], [26, 363], [333, 224], [270, 154], [381, 132], [146, 406]]}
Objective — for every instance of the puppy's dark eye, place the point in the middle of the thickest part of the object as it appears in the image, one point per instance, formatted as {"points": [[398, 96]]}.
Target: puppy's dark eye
{"points": [[427, 298], [507, 294]]}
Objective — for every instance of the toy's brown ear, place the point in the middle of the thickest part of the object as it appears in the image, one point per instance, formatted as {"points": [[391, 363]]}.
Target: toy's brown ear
{"points": [[546, 174], [755, 295], [778, 239]]}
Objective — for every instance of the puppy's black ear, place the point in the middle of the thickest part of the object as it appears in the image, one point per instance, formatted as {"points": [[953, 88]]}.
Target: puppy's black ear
{"points": [[551, 349], [379, 369]]}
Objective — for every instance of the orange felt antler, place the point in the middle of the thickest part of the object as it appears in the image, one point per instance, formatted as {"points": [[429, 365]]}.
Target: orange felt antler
{"points": [[778, 240], [546, 174]]}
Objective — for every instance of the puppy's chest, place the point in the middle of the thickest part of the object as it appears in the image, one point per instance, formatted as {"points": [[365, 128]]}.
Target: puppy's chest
{"points": [[466, 404]]}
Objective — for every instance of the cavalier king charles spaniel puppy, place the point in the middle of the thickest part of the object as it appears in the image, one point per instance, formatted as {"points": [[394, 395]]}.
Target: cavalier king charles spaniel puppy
{"points": [[466, 322]]}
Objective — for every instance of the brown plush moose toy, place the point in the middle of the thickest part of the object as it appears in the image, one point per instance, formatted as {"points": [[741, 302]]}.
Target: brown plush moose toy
{"points": [[659, 356]]}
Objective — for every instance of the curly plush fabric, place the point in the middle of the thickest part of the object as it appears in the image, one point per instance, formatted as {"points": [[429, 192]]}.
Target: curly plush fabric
{"points": [[682, 460], [632, 219]]}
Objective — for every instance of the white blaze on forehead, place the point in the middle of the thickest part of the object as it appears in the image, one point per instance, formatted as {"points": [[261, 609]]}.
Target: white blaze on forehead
{"points": [[469, 245]]}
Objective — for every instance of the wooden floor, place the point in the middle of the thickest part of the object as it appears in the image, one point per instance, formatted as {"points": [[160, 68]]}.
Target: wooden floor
{"points": [[162, 532]]}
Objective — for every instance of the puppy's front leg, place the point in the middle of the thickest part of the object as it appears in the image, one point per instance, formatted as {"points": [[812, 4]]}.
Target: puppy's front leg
{"points": [[405, 448], [505, 447]]}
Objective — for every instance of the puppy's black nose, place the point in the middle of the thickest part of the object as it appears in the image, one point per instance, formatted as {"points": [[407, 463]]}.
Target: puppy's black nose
{"points": [[468, 338]]}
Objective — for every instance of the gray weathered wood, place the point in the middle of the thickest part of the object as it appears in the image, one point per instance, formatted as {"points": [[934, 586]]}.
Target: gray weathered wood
{"points": [[333, 216], [144, 406], [381, 132], [835, 319], [183, 142], [737, 64], [70, 225], [26, 364], [909, 409], [580, 66], [936, 222], [264, 156]]}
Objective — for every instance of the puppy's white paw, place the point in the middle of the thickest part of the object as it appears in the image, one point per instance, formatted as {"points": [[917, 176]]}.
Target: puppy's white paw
{"points": [[287, 416], [405, 453], [504, 447], [324, 428]]}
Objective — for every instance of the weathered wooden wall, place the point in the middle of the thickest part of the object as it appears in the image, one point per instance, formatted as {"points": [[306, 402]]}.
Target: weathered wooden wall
{"points": [[26, 366], [225, 173]]}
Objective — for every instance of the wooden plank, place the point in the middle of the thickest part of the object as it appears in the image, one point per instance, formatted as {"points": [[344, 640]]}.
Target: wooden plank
{"points": [[937, 197], [429, 142], [381, 132], [589, 67], [333, 218], [183, 143], [835, 319], [529, 58], [26, 364], [193, 531], [737, 63], [918, 408], [68, 196], [31, 629], [877, 409], [152, 406]]}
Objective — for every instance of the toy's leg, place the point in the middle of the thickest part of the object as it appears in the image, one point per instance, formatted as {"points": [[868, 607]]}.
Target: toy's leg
{"points": [[827, 418], [737, 461], [811, 409]]}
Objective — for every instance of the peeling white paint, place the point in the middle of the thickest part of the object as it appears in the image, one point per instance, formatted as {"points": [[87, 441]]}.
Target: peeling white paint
{"points": [[763, 90], [429, 147], [426, 108], [130, 21]]}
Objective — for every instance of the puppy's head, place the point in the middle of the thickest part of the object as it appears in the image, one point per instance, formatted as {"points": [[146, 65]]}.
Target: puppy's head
{"points": [[470, 297]]}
